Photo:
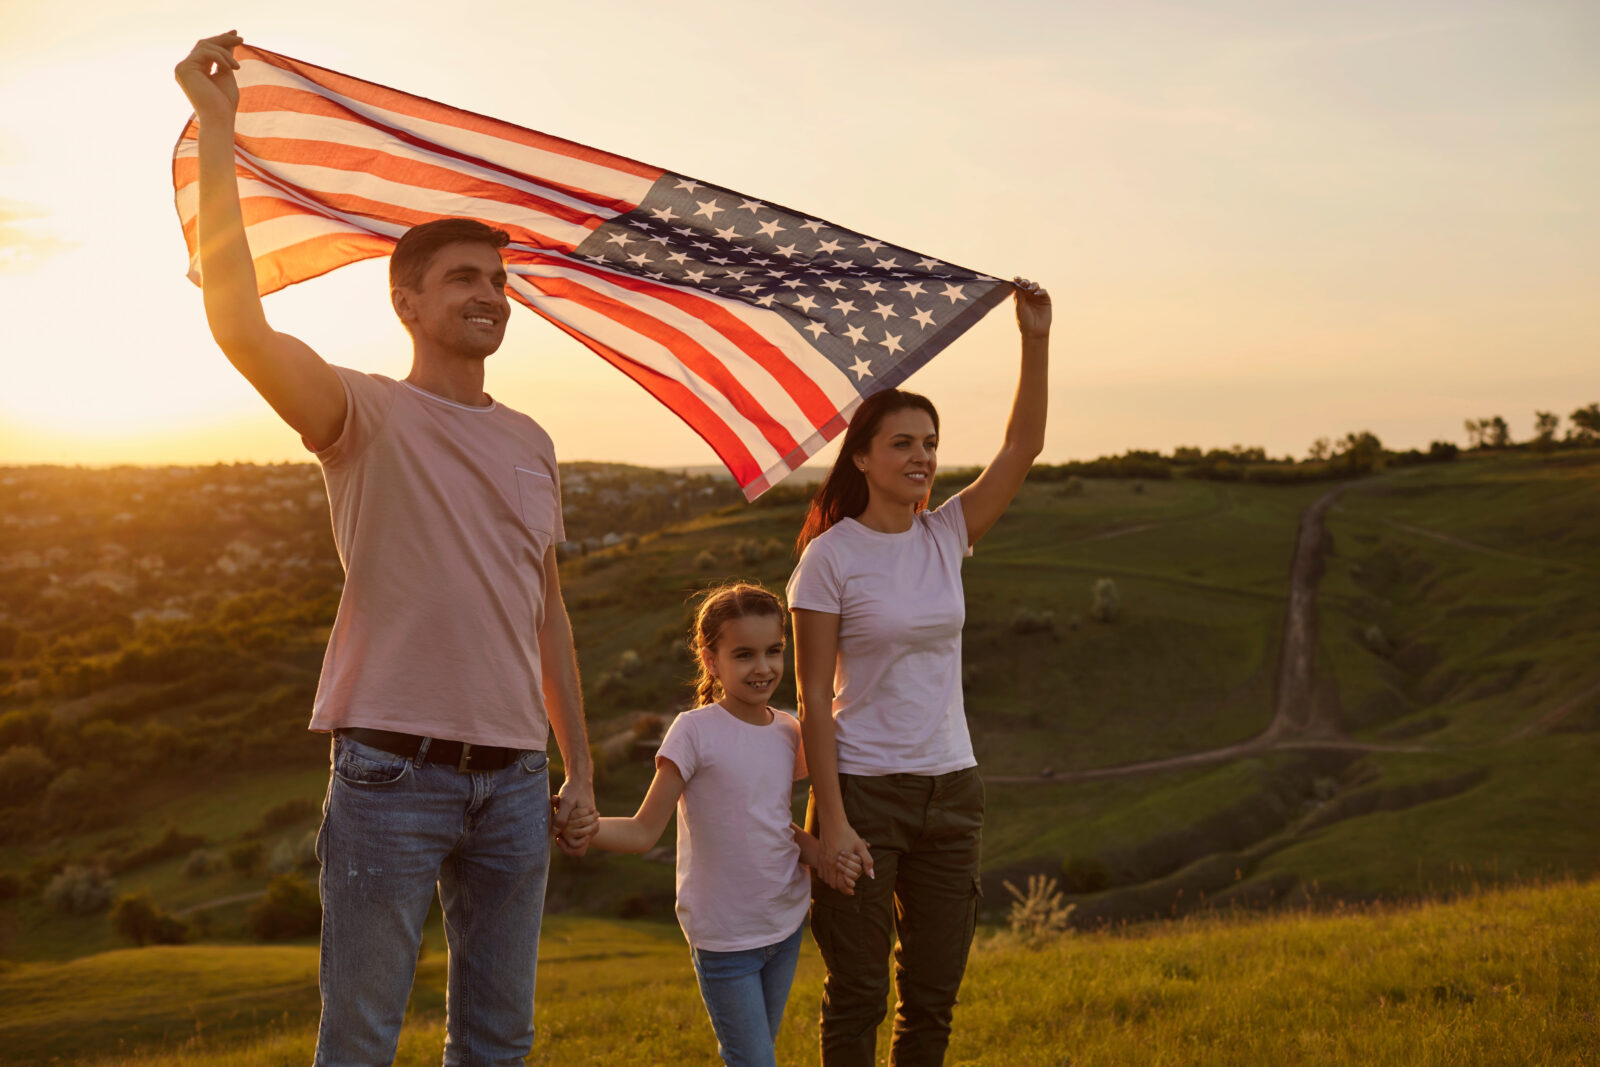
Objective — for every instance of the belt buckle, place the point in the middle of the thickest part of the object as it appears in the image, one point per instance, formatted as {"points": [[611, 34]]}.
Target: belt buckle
{"points": [[466, 758]]}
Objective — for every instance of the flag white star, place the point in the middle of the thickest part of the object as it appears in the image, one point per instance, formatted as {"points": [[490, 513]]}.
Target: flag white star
{"points": [[913, 289], [696, 276], [661, 239], [805, 302], [953, 292], [770, 227], [788, 252], [870, 245], [704, 246], [752, 206], [845, 306], [811, 224], [657, 275], [873, 288], [708, 208], [883, 264], [923, 316], [833, 284], [665, 214], [885, 310], [721, 261], [621, 240], [891, 341], [676, 257], [928, 264], [638, 259], [683, 231], [856, 334], [737, 275], [862, 368], [753, 287], [830, 247], [816, 329], [688, 185], [766, 299], [793, 283], [728, 234]]}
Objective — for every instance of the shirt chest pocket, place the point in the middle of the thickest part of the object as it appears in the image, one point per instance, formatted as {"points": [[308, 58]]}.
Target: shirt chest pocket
{"points": [[536, 494]]}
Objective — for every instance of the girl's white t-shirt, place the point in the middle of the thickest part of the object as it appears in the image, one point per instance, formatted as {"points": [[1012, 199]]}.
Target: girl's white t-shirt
{"points": [[740, 881], [897, 705]]}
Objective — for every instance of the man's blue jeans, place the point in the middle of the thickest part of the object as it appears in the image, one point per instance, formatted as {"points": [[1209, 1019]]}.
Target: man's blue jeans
{"points": [[745, 993], [392, 828]]}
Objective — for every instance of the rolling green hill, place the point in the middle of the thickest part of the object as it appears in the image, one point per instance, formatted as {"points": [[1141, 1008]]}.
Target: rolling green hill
{"points": [[1444, 735]]}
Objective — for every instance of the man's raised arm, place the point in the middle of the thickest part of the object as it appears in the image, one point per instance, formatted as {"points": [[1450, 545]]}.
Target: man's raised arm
{"points": [[302, 389]]}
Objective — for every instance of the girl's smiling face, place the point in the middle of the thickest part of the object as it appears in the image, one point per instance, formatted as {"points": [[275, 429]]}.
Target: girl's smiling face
{"points": [[747, 660]]}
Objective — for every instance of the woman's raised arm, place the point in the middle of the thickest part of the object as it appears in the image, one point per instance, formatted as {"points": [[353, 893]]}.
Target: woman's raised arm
{"points": [[985, 500]]}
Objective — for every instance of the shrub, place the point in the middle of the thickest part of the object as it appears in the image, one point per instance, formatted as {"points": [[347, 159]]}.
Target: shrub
{"points": [[291, 908], [245, 857], [67, 796], [24, 770], [1073, 486], [291, 811], [705, 560], [79, 890], [201, 862], [290, 855], [173, 842], [1106, 603], [1028, 621], [139, 919], [629, 663], [1376, 641], [1039, 912]]}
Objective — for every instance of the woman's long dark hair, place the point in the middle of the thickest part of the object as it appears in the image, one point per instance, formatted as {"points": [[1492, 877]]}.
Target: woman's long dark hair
{"points": [[843, 493]]}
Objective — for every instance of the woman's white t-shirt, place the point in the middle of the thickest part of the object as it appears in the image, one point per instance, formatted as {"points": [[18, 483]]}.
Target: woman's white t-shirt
{"points": [[740, 881], [897, 704]]}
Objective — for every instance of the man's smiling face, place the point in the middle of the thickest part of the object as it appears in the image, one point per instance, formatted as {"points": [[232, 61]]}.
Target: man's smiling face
{"points": [[460, 306]]}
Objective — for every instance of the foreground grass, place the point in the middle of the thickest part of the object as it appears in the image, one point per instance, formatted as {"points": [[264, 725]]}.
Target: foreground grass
{"points": [[1499, 977]]}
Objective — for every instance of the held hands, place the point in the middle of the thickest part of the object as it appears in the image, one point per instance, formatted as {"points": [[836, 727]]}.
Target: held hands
{"points": [[845, 858], [1033, 308], [206, 75], [573, 818]]}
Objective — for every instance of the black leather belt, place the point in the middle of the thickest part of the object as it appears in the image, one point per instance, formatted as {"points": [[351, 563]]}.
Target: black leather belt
{"points": [[462, 755]]}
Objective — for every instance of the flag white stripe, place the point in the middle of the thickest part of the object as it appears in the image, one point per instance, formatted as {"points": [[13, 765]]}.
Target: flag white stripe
{"points": [[346, 135], [596, 178], [657, 357], [766, 390]]}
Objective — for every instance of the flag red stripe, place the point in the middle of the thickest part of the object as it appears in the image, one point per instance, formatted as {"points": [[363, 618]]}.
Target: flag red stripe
{"points": [[255, 209], [317, 255], [422, 108], [807, 395], [264, 99], [700, 361], [409, 172], [680, 400]]}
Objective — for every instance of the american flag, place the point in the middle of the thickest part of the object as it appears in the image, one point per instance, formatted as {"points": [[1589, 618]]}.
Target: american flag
{"points": [[761, 327]]}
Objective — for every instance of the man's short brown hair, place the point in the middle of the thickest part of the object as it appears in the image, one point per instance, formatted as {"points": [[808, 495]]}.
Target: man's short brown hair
{"points": [[415, 250]]}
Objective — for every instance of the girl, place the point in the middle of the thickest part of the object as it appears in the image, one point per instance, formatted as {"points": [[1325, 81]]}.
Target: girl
{"points": [[878, 607], [729, 767]]}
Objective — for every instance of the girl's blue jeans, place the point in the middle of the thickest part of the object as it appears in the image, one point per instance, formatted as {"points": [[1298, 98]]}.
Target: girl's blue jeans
{"points": [[745, 993]]}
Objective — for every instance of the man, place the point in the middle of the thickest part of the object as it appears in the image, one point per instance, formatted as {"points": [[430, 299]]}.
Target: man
{"points": [[451, 657]]}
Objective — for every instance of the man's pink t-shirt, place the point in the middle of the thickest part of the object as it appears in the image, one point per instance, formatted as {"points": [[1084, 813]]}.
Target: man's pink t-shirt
{"points": [[740, 881], [442, 514]]}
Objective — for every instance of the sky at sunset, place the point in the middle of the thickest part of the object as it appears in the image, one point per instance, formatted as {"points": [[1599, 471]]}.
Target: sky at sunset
{"points": [[1261, 222]]}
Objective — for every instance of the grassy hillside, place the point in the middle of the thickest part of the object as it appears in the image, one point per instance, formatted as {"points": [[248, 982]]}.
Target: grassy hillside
{"points": [[1459, 632], [1505, 977]]}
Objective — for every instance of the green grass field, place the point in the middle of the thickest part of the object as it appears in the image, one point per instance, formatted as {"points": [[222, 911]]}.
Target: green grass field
{"points": [[1508, 976], [1459, 638]]}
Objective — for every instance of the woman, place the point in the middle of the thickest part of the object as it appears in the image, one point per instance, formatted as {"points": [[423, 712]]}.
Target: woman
{"points": [[878, 608]]}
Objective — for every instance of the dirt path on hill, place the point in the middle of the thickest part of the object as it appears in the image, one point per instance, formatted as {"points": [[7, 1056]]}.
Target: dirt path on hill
{"points": [[1302, 722], [220, 902], [1473, 546]]}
